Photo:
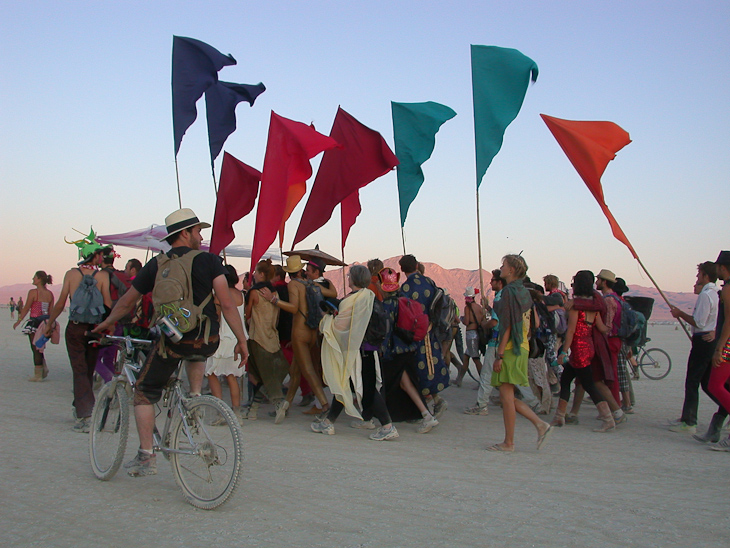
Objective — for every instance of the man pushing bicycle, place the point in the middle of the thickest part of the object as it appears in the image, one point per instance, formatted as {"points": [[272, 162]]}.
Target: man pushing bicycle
{"points": [[182, 282]]}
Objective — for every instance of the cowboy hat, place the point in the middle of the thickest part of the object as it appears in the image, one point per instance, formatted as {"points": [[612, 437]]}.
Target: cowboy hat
{"points": [[180, 220], [607, 275], [293, 264]]}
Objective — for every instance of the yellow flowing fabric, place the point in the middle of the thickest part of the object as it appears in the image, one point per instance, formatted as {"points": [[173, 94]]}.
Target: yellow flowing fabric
{"points": [[343, 336]]}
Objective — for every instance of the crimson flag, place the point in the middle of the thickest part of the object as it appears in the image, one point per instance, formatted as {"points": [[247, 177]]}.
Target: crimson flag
{"points": [[363, 157], [349, 210], [590, 146], [239, 185], [284, 181]]}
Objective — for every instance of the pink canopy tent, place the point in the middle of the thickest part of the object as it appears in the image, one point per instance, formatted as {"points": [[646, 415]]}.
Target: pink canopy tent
{"points": [[150, 239]]}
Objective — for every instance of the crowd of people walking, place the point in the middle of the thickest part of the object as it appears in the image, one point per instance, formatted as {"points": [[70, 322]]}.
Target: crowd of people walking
{"points": [[385, 349]]}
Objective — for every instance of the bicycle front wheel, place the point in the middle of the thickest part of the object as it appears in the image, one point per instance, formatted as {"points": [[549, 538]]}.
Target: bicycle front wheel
{"points": [[109, 429], [207, 452], [655, 363]]}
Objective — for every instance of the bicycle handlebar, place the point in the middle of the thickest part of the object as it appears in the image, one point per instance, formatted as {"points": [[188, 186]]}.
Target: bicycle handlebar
{"points": [[101, 337]]}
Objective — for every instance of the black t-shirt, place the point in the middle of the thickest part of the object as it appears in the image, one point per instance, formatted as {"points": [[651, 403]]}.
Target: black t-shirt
{"points": [[206, 268]]}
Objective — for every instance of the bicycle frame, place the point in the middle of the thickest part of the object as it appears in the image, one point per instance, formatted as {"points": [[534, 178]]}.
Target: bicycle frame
{"points": [[173, 398]]}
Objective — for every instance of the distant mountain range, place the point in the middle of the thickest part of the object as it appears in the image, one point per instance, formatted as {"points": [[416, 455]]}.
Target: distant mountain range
{"points": [[455, 280]]}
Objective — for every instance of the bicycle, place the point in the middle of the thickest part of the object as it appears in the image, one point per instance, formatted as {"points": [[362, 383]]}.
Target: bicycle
{"points": [[201, 436], [654, 363]]}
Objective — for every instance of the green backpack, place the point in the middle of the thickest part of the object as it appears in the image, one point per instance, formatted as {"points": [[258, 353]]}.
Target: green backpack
{"points": [[172, 295]]}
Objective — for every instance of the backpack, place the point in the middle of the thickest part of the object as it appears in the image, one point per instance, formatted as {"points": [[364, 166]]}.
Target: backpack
{"points": [[442, 314], [379, 325], [314, 297], [629, 319], [483, 335], [172, 295], [560, 318], [87, 303], [412, 322], [118, 283]]}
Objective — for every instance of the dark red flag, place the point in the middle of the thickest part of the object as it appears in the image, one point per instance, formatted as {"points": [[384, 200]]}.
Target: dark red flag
{"points": [[283, 183], [590, 146], [349, 210], [237, 192], [363, 157]]}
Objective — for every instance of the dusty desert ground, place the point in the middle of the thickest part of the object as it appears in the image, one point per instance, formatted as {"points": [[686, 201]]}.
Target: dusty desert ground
{"points": [[639, 486]]}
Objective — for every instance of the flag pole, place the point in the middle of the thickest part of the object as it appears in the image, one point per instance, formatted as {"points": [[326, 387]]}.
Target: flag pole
{"points": [[479, 245], [663, 295], [215, 188], [177, 176], [403, 238], [344, 281]]}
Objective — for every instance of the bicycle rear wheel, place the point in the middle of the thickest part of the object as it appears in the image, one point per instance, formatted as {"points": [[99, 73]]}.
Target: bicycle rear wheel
{"points": [[211, 435], [655, 363], [109, 429]]}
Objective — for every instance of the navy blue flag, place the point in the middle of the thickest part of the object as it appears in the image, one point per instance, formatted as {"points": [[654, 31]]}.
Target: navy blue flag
{"points": [[220, 103], [195, 67]]}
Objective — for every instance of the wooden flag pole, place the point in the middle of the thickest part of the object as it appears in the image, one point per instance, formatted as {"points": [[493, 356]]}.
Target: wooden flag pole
{"points": [[684, 327], [344, 280], [177, 176], [215, 188], [479, 245]]}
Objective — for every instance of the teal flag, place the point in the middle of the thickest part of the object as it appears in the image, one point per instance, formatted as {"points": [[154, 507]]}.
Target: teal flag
{"points": [[414, 130], [499, 78]]}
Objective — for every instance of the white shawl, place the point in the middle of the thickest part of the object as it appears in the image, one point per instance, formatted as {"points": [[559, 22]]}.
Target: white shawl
{"points": [[343, 336]]}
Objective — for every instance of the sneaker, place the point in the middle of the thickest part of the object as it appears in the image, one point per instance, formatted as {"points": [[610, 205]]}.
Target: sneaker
{"points": [[628, 410], [722, 445], [427, 425], [323, 427], [382, 434], [250, 412], [439, 407], [306, 400], [683, 427], [82, 426], [620, 419], [143, 464], [571, 419], [281, 408], [477, 410], [675, 422], [363, 425]]}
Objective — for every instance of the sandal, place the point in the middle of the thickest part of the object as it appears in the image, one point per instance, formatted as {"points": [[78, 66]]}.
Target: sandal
{"points": [[498, 448], [541, 439]]}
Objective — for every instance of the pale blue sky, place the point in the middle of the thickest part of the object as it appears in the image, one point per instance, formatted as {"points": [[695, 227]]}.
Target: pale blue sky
{"points": [[86, 124]]}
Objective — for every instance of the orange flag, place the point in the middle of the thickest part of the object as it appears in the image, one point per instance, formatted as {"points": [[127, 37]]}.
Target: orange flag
{"points": [[590, 146]]}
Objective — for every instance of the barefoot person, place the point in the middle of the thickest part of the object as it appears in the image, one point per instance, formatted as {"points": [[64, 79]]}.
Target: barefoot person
{"points": [[305, 341], [510, 364]]}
